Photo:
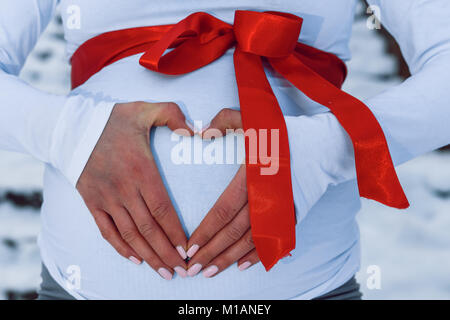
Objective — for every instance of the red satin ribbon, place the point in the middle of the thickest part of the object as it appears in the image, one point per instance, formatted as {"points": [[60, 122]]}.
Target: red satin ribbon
{"points": [[200, 39]]}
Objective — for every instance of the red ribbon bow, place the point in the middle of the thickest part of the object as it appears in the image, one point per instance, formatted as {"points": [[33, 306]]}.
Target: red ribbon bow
{"points": [[200, 39]]}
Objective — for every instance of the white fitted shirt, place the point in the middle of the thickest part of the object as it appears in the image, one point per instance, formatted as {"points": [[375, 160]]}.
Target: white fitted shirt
{"points": [[63, 130]]}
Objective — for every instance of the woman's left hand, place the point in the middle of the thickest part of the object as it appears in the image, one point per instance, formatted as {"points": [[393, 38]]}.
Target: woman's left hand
{"points": [[224, 236]]}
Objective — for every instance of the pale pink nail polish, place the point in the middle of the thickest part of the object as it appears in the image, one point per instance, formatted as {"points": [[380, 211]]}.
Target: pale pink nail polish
{"points": [[134, 260], [192, 250], [245, 265], [163, 272], [180, 271], [181, 252], [210, 271], [192, 271]]}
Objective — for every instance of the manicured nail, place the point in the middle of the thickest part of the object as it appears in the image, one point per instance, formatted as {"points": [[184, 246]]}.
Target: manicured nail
{"points": [[210, 271], [181, 271], [181, 252], [245, 265], [163, 272], [192, 250], [135, 260], [192, 271]]}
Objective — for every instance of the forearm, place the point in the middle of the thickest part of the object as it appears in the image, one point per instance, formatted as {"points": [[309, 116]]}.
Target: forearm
{"points": [[28, 118], [54, 129], [414, 115], [60, 130]]}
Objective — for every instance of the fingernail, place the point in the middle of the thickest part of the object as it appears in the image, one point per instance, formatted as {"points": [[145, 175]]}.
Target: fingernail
{"points": [[192, 271], [192, 250], [181, 271], [245, 265], [163, 272], [210, 271], [181, 252], [135, 260]]}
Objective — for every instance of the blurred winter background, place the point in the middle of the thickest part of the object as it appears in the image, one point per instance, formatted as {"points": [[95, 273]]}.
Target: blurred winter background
{"points": [[411, 249]]}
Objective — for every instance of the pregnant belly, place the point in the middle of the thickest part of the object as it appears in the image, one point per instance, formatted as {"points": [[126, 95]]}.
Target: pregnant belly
{"points": [[193, 185], [196, 184], [70, 236]]}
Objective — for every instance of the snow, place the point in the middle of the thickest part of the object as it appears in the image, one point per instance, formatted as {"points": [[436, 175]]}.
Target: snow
{"points": [[410, 247]]}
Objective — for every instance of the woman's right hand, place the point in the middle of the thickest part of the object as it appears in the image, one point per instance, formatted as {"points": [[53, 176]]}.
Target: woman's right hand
{"points": [[124, 192]]}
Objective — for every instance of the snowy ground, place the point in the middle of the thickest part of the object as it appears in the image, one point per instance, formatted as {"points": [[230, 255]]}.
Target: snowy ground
{"points": [[410, 248]]}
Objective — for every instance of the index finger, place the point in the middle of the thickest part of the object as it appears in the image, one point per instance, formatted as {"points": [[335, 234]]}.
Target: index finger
{"points": [[155, 195], [224, 210]]}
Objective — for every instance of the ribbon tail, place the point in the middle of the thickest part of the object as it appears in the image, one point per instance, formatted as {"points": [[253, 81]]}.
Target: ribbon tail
{"points": [[269, 185], [376, 175]]}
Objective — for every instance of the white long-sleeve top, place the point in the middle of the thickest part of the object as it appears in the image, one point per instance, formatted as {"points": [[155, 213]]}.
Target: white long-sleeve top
{"points": [[63, 130]]}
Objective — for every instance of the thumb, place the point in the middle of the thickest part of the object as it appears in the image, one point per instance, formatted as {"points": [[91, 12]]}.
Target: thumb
{"points": [[169, 114], [225, 119]]}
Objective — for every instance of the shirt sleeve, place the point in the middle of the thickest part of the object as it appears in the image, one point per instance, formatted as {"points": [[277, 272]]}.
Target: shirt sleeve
{"points": [[59, 130], [414, 115]]}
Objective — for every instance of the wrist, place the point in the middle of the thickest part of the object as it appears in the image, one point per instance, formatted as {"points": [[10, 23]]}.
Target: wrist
{"points": [[321, 155]]}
